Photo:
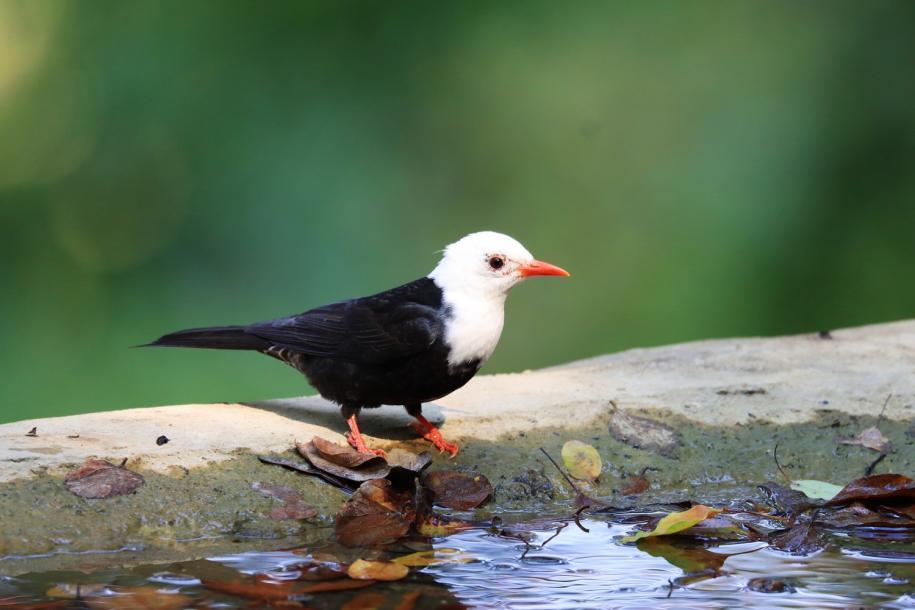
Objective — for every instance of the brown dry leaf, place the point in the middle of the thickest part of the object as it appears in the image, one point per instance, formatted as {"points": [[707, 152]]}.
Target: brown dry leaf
{"points": [[101, 479], [871, 438], [457, 490], [362, 569], [798, 540], [365, 601], [408, 600], [367, 467], [293, 506], [342, 455], [876, 488], [401, 458], [635, 485], [581, 460], [276, 590], [375, 514], [147, 598]]}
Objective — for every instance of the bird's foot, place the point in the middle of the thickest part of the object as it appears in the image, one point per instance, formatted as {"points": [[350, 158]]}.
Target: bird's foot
{"points": [[359, 445], [354, 438], [434, 435]]}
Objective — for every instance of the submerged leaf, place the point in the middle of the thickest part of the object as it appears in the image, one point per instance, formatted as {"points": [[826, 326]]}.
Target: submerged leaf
{"points": [[676, 522], [146, 598], [818, 490], [252, 590], [690, 559], [878, 487], [457, 490], [362, 569], [421, 559], [100, 479], [581, 460]]}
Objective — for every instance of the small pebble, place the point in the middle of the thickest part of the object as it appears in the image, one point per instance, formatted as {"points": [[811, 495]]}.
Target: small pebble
{"points": [[162, 440]]}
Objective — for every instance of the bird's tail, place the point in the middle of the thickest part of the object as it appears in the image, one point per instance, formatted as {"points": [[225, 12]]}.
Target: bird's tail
{"points": [[215, 337]]}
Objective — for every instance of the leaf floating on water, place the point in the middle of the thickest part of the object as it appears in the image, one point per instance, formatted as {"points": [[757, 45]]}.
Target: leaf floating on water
{"points": [[362, 569], [876, 488], [676, 522], [871, 438], [581, 460], [97, 479], [375, 514], [457, 490], [422, 559], [818, 490], [365, 467]]}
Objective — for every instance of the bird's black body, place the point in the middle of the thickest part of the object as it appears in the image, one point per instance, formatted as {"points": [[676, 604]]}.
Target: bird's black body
{"points": [[387, 348]]}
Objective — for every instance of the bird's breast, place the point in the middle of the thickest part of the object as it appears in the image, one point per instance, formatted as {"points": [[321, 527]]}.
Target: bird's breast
{"points": [[472, 330]]}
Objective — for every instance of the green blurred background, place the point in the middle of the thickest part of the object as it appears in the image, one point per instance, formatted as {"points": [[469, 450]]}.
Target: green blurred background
{"points": [[704, 169]]}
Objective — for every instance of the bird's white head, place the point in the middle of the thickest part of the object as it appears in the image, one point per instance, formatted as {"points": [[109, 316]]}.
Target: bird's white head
{"points": [[487, 265]]}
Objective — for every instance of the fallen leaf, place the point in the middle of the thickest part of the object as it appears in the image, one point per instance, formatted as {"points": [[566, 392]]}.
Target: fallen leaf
{"points": [[365, 601], [769, 585], [801, 539], [818, 490], [334, 585], [643, 433], [367, 466], [375, 514], [408, 600], [871, 438], [342, 455], [457, 490], [293, 505], [676, 522], [635, 485], [320, 571], [581, 460], [100, 479], [147, 598], [421, 559], [785, 500], [438, 526], [276, 590], [362, 569], [722, 527], [878, 487]]}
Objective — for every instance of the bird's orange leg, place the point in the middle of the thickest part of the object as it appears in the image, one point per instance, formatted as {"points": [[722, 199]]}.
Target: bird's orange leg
{"points": [[355, 438], [433, 434]]}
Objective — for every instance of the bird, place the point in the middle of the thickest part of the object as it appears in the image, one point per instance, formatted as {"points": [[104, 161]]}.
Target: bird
{"points": [[409, 345]]}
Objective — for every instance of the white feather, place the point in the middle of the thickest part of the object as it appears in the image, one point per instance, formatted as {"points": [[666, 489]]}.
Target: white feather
{"points": [[474, 293]]}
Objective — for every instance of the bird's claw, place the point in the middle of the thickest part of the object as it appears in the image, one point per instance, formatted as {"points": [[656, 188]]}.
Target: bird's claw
{"points": [[434, 436], [359, 445]]}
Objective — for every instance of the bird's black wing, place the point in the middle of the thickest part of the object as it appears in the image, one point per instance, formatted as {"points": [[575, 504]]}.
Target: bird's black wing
{"points": [[373, 330]]}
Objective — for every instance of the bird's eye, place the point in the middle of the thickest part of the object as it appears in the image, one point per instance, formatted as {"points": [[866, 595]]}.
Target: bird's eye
{"points": [[496, 262]]}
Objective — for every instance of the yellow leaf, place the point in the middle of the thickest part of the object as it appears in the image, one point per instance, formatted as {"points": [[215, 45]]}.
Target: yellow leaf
{"points": [[581, 460], [421, 559], [362, 569], [676, 522]]}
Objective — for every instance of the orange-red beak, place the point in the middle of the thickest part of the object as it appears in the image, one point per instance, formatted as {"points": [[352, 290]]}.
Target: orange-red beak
{"points": [[542, 268]]}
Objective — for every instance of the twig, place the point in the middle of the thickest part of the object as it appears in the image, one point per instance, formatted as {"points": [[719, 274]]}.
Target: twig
{"points": [[885, 402], [562, 472], [577, 522], [870, 469], [779, 466]]}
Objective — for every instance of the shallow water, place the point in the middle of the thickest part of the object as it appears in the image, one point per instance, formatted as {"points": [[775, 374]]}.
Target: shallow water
{"points": [[560, 566]]}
